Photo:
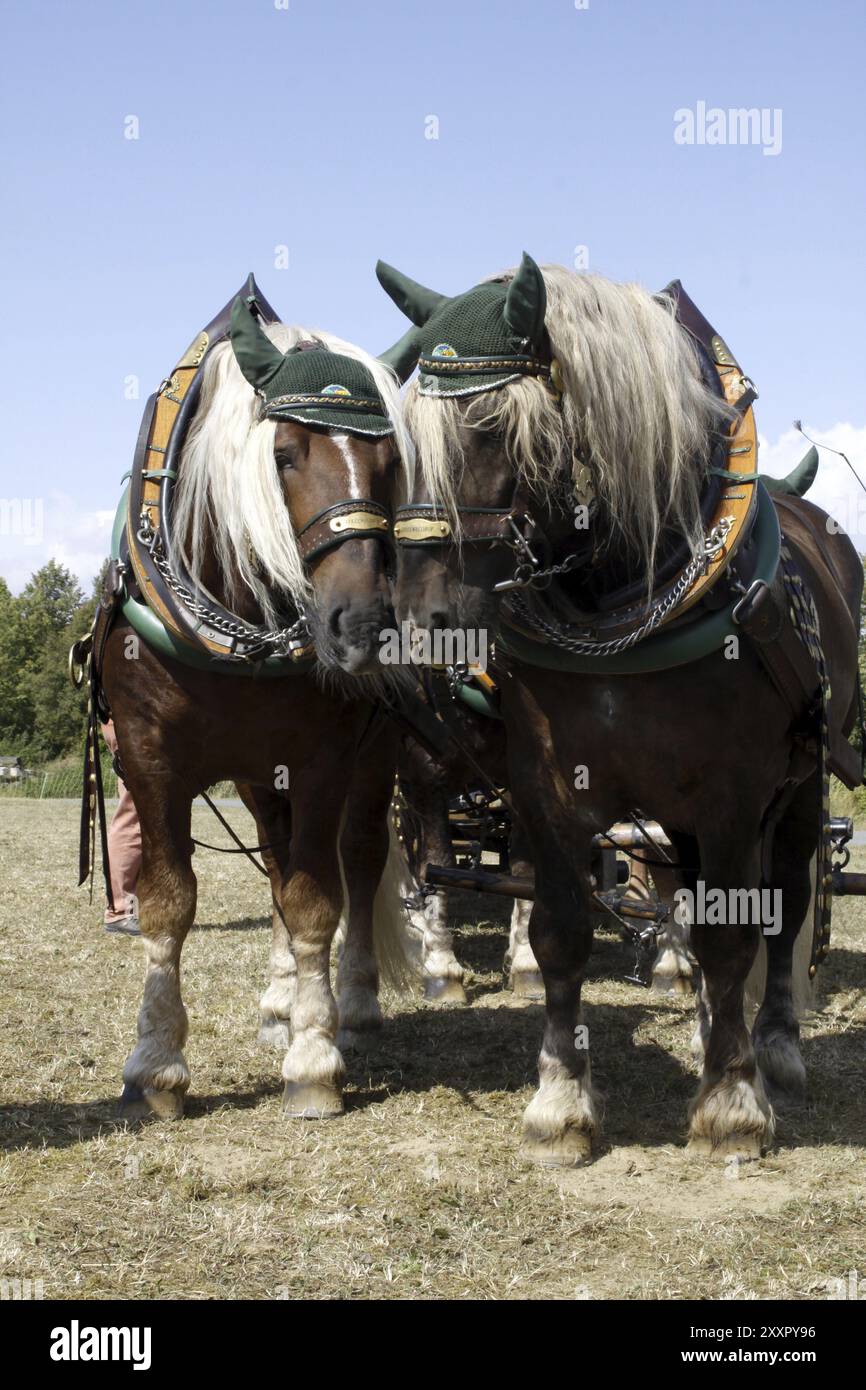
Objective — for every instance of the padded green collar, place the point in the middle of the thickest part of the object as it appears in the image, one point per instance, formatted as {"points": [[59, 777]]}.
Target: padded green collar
{"points": [[669, 647]]}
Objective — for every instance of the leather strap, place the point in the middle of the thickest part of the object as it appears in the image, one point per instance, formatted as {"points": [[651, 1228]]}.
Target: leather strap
{"points": [[355, 516]]}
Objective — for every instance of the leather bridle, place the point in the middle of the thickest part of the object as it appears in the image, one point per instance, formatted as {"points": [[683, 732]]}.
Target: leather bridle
{"points": [[423, 525], [343, 521]]}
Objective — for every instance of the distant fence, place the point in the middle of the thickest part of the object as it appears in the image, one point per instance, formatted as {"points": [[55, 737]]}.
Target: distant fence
{"points": [[65, 783]]}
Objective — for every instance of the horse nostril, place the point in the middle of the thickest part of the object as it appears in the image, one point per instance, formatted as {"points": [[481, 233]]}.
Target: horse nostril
{"points": [[438, 620], [334, 621]]}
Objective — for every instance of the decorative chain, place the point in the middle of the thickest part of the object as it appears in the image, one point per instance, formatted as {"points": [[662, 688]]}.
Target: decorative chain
{"points": [[256, 637], [561, 634]]}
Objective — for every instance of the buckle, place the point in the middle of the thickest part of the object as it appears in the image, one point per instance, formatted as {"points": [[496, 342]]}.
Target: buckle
{"points": [[751, 602]]}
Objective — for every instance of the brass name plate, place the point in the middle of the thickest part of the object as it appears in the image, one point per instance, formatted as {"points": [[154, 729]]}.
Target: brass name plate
{"points": [[418, 528], [359, 521]]}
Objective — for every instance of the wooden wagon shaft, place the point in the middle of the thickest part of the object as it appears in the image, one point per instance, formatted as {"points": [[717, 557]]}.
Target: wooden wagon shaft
{"points": [[479, 881], [844, 885], [625, 835]]}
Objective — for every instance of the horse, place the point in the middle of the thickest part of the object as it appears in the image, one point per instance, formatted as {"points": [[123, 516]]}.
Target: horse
{"points": [[426, 786], [568, 431], [288, 476]]}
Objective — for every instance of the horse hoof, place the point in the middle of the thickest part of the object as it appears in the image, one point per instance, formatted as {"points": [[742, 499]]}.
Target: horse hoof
{"points": [[141, 1104], [527, 984], [672, 984], [745, 1146], [442, 989], [274, 1033], [569, 1150], [311, 1101]]}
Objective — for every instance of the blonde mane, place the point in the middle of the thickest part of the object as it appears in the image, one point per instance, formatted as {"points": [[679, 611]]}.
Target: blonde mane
{"points": [[229, 493], [634, 410]]}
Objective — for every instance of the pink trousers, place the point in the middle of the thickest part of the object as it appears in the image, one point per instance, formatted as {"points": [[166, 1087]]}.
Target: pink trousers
{"points": [[124, 846]]}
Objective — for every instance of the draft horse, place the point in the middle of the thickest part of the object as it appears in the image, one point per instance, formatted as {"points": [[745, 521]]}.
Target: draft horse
{"points": [[286, 483], [668, 638]]}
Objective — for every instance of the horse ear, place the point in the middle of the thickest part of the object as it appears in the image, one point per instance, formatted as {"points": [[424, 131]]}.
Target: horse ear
{"points": [[256, 355], [403, 356], [416, 302], [526, 302]]}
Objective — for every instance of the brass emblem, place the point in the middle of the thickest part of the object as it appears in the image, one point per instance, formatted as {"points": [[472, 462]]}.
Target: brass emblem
{"points": [[359, 521], [721, 352], [418, 528], [195, 352]]}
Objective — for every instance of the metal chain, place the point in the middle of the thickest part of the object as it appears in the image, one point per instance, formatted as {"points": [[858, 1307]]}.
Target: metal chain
{"points": [[257, 637], [562, 636]]}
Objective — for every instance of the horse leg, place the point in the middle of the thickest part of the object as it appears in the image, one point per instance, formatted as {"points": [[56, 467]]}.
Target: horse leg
{"points": [[272, 812], [364, 846], [428, 802], [524, 975], [311, 899], [776, 1033], [559, 1123], [672, 968], [156, 1076], [731, 1113]]}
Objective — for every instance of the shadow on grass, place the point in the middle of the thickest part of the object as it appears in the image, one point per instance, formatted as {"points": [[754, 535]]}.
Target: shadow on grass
{"points": [[49, 1124], [480, 1053], [243, 924]]}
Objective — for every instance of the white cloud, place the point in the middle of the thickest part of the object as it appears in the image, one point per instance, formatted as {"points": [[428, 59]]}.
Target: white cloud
{"points": [[835, 487], [55, 527]]}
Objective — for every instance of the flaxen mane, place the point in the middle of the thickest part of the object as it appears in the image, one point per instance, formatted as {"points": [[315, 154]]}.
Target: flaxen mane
{"points": [[229, 491], [634, 409]]}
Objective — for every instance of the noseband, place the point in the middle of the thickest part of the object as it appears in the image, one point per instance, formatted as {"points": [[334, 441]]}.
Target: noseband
{"points": [[421, 525], [343, 521]]}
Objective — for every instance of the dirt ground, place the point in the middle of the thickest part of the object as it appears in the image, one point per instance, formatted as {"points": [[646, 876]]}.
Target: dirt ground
{"points": [[419, 1190]]}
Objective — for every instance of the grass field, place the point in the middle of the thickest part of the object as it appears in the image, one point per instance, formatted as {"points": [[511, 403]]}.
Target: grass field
{"points": [[419, 1190]]}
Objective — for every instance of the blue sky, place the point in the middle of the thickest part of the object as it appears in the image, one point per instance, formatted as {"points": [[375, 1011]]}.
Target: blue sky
{"points": [[305, 127]]}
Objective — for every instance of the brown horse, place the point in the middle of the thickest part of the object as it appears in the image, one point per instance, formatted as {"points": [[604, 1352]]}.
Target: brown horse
{"points": [[473, 758], [544, 398], [260, 469]]}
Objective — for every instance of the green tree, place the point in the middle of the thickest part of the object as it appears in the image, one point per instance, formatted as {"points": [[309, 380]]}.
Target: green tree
{"points": [[41, 716], [14, 706]]}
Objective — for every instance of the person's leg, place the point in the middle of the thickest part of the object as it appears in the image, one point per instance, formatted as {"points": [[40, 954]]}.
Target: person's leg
{"points": [[124, 852]]}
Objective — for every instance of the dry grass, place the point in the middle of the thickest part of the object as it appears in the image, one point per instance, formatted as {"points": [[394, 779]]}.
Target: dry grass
{"points": [[418, 1192]]}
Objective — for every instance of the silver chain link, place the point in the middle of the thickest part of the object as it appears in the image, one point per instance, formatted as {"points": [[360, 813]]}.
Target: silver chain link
{"points": [[256, 637], [561, 634]]}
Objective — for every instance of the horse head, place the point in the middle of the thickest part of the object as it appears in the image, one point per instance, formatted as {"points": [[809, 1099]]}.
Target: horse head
{"points": [[290, 476]]}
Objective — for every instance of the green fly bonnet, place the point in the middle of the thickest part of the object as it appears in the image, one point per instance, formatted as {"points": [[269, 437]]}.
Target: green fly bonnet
{"points": [[309, 383], [477, 341]]}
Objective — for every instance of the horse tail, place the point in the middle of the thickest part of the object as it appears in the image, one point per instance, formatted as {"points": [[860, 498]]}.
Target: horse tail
{"points": [[396, 946], [802, 986]]}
